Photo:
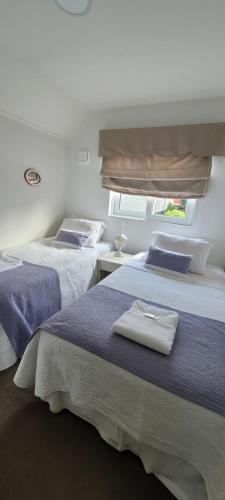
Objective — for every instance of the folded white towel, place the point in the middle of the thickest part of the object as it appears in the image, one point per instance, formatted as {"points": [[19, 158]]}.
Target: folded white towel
{"points": [[8, 262], [148, 325]]}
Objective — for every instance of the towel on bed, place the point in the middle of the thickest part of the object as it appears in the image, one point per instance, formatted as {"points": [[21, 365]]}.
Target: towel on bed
{"points": [[148, 325]]}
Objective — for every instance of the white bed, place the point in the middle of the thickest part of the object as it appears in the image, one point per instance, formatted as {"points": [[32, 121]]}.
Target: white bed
{"points": [[76, 269], [179, 441]]}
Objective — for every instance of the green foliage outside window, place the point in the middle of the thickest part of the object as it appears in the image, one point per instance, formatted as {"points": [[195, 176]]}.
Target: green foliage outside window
{"points": [[175, 210]]}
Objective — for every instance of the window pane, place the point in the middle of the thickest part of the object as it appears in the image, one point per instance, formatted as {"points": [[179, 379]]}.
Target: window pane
{"points": [[133, 205], [171, 207], [176, 210]]}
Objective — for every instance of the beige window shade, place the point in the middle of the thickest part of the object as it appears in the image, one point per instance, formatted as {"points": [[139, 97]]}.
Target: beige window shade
{"points": [[201, 140], [160, 161], [186, 176]]}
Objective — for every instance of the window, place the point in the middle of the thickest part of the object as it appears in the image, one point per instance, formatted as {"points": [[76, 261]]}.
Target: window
{"points": [[175, 210]]}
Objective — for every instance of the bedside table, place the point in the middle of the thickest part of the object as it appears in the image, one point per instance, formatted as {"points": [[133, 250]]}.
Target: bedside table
{"points": [[109, 262]]}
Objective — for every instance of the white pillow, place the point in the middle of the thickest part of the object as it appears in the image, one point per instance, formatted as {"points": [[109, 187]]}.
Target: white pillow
{"points": [[194, 246], [93, 228]]}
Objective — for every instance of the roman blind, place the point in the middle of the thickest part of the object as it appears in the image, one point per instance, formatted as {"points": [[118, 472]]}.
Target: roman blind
{"points": [[160, 161]]}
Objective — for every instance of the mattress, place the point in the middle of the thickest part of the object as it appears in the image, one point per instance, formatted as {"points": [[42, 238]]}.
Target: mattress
{"points": [[178, 440], [76, 269]]}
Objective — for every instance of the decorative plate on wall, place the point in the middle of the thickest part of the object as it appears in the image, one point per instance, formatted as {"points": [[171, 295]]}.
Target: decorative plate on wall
{"points": [[32, 176]]}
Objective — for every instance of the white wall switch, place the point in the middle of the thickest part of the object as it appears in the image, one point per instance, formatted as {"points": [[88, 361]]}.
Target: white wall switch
{"points": [[84, 157]]}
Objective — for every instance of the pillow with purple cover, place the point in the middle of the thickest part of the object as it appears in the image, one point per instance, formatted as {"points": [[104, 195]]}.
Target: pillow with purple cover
{"points": [[174, 261], [72, 239]]}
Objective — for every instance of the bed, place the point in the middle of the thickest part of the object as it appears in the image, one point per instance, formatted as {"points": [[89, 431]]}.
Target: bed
{"points": [[76, 270], [177, 439]]}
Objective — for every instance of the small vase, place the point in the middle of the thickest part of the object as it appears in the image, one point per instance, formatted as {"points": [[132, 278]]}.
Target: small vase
{"points": [[120, 241]]}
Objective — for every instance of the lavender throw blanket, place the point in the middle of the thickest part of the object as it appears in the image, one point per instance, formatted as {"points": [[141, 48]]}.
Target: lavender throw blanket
{"points": [[195, 368], [29, 294]]}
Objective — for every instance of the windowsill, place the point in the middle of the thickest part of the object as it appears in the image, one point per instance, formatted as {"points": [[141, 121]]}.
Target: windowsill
{"points": [[152, 219], [127, 217], [169, 221]]}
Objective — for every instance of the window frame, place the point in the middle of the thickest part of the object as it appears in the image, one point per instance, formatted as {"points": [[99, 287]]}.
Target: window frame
{"points": [[114, 211]]}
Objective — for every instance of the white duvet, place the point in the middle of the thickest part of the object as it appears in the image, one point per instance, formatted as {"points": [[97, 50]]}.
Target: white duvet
{"points": [[76, 269], [181, 442]]}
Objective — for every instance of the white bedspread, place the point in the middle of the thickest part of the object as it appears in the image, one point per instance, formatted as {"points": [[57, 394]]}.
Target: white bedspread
{"points": [[149, 417], [76, 269]]}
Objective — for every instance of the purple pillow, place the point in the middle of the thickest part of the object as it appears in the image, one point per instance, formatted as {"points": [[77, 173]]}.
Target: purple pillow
{"points": [[174, 261], [71, 238]]}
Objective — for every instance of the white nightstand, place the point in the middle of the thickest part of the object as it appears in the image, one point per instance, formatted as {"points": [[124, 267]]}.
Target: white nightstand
{"points": [[109, 262]]}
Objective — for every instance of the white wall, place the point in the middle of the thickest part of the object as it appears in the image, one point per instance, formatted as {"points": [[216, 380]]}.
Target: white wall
{"points": [[28, 96], [87, 198], [27, 212]]}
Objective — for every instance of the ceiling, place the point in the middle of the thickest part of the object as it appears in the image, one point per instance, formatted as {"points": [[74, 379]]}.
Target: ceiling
{"points": [[124, 52]]}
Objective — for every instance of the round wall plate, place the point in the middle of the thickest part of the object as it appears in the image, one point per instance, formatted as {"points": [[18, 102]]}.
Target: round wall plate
{"points": [[32, 177], [74, 7]]}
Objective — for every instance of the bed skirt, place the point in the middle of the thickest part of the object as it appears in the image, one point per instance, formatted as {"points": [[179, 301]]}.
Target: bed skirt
{"points": [[180, 477], [7, 354]]}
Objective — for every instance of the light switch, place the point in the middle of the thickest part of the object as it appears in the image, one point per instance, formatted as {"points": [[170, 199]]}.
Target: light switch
{"points": [[84, 157]]}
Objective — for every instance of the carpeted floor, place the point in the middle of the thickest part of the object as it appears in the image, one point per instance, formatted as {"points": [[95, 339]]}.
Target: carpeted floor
{"points": [[61, 457]]}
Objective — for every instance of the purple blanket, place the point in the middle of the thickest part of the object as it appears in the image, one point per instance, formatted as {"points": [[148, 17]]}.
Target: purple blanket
{"points": [[195, 368], [29, 295]]}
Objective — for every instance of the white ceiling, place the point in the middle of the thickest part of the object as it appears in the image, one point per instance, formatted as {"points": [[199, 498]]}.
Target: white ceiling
{"points": [[125, 52]]}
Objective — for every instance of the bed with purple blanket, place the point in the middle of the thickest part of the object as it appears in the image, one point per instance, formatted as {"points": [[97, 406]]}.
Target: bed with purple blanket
{"points": [[29, 294], [49, 277], [169, 410]]}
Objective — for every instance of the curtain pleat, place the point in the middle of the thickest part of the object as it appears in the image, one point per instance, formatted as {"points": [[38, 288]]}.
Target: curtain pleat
{"points": [[207, 139], [184, 177]]}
